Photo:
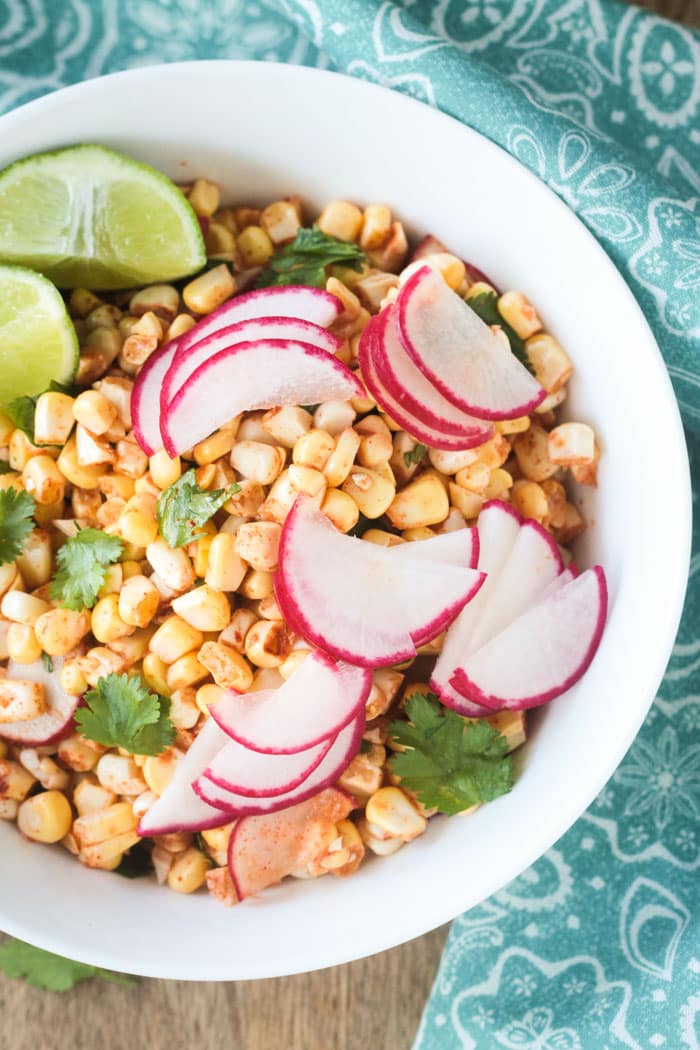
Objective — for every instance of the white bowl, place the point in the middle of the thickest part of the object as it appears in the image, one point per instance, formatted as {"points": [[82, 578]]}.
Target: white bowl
{"points": [[263, 131]]}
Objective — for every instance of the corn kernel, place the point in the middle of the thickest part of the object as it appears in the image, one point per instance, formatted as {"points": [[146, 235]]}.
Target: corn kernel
{"points": [[390, 810], [175, 638], [155, 672], [158, 770], [53, 418], [342, 220], [227, 667], [185, 671], [204, 197], [423, 502], [45, 817], [189, 871], [211, 289], [59, 631], [280, 220], [255, 246], [225, 569]]}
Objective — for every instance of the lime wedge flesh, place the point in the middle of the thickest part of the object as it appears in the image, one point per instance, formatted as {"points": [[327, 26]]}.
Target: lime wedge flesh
{"points": [[37, 338], [87, 217]]}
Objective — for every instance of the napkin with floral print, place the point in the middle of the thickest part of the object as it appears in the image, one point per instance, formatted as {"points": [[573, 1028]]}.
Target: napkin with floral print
{"points": [[596, 947]]}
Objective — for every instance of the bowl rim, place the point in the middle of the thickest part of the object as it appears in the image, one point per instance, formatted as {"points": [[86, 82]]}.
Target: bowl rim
{"points": [[439, 911]]}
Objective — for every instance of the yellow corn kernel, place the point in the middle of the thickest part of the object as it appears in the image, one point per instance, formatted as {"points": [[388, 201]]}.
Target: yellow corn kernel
{"points": [[226, 666], [500, 482], [185, 671], [45, 817], [475, 477], [83, 477], [376, 228], [160, 299], [552, 364], [209, 694], [513, 426], [91, 450], [181, 324], [214, 447], [247, 501], [120, 774], [189, 871], [53, 418], [8, 577], [423, 502], [362, 777], [138, 523], [106, 623], [79, 754], [375, 449], [94, 411], [225, 569], [287, 424], [382, 538], [258, 461], [211, 289], [451, 269], [313, 449], [34, 562], [234, 634], [49, 775], [158, 770], [517, 311], [390, 810], [99, 826], [293, 662], [172, 566], [22, 647], [3, 749], [174, 638], [164, 470], [15, 781], [184, 713], [530, 499], [43, 480], [268, 643], [342, 220], [155, 672], [23, 608], [532, 454], [138, 601], [112, 582], [202, 546], [335, 417], [255, 246], [20, 701], [108, 855], [204, 197], [219, 241], [372, 493], [350, 847], [20, 450], [468, 503], [59, 631], [421, 533], [204, 608], [89, 796], [257, 543], [256, 585], [73, 680], [341, 509], [280, 220], [571, 444]]}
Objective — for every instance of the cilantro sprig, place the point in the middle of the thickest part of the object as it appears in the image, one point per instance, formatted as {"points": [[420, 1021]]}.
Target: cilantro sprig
{"points": [[416, 455], [305, 259], [486, 306], [82, 563], [448, 762], [16, 509], [122, 712], [184, 507], [52, 972]]}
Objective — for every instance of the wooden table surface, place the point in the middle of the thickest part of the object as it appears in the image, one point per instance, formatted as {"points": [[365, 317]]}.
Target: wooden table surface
{"points": [[375, 1003]]}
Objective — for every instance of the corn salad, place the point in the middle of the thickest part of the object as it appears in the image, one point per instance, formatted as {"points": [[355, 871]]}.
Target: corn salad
{"points": [[200, 619]]}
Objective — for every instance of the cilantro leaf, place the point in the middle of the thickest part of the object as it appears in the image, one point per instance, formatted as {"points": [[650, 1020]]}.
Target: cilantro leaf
{"points": [[486, 306], [304, 261], [16, 509], [416, 455], [47, 662], [45, 970], [82, 562], [449, 762], [122, 712], [184, 507]]}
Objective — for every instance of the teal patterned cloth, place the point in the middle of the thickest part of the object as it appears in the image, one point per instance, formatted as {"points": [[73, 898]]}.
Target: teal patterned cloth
{"points": [[596, 947]]}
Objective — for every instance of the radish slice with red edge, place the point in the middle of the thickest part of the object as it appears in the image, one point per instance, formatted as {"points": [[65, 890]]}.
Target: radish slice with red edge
{"points": [[460, 547], [263, 850], [413, 424], [498, 527], [315, 703], [238, 769], [544, 652], [431, 245], [259, 374], [179, 808], [358, 601], [57, 721], [188, 359], [469, 363], [335, 762], [145, 398]]}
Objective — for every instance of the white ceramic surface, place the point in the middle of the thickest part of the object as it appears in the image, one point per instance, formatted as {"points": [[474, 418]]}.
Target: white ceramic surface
{"points": [[264, 131]]}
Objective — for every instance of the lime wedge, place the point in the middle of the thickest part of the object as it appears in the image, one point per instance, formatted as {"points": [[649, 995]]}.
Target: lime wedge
{"points": [[87, 217], [37, 338]]}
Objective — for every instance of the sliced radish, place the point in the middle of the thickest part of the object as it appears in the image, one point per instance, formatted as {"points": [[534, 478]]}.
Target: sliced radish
{"points": [[467, 361], [336, 760], [414, 392], [264, 849], [454, 548], [57, 721], [256, 775], [542, 653], [432, 246], [189, 358], [179, 808], [145, 398], [413, 424], [315, 703], [260, 374], [498, 527], [358, 601]]}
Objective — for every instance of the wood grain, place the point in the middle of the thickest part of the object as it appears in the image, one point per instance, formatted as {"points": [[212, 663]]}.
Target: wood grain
{"points": [[373, 1004]]}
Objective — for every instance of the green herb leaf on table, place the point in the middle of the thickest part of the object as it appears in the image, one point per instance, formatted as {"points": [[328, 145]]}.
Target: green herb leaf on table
{"points": [[449, 762], [16, 509], [122, 712], [184, 507], [416, 455], [304, 261], [82, 563], [52, 972], [486, 306]]}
